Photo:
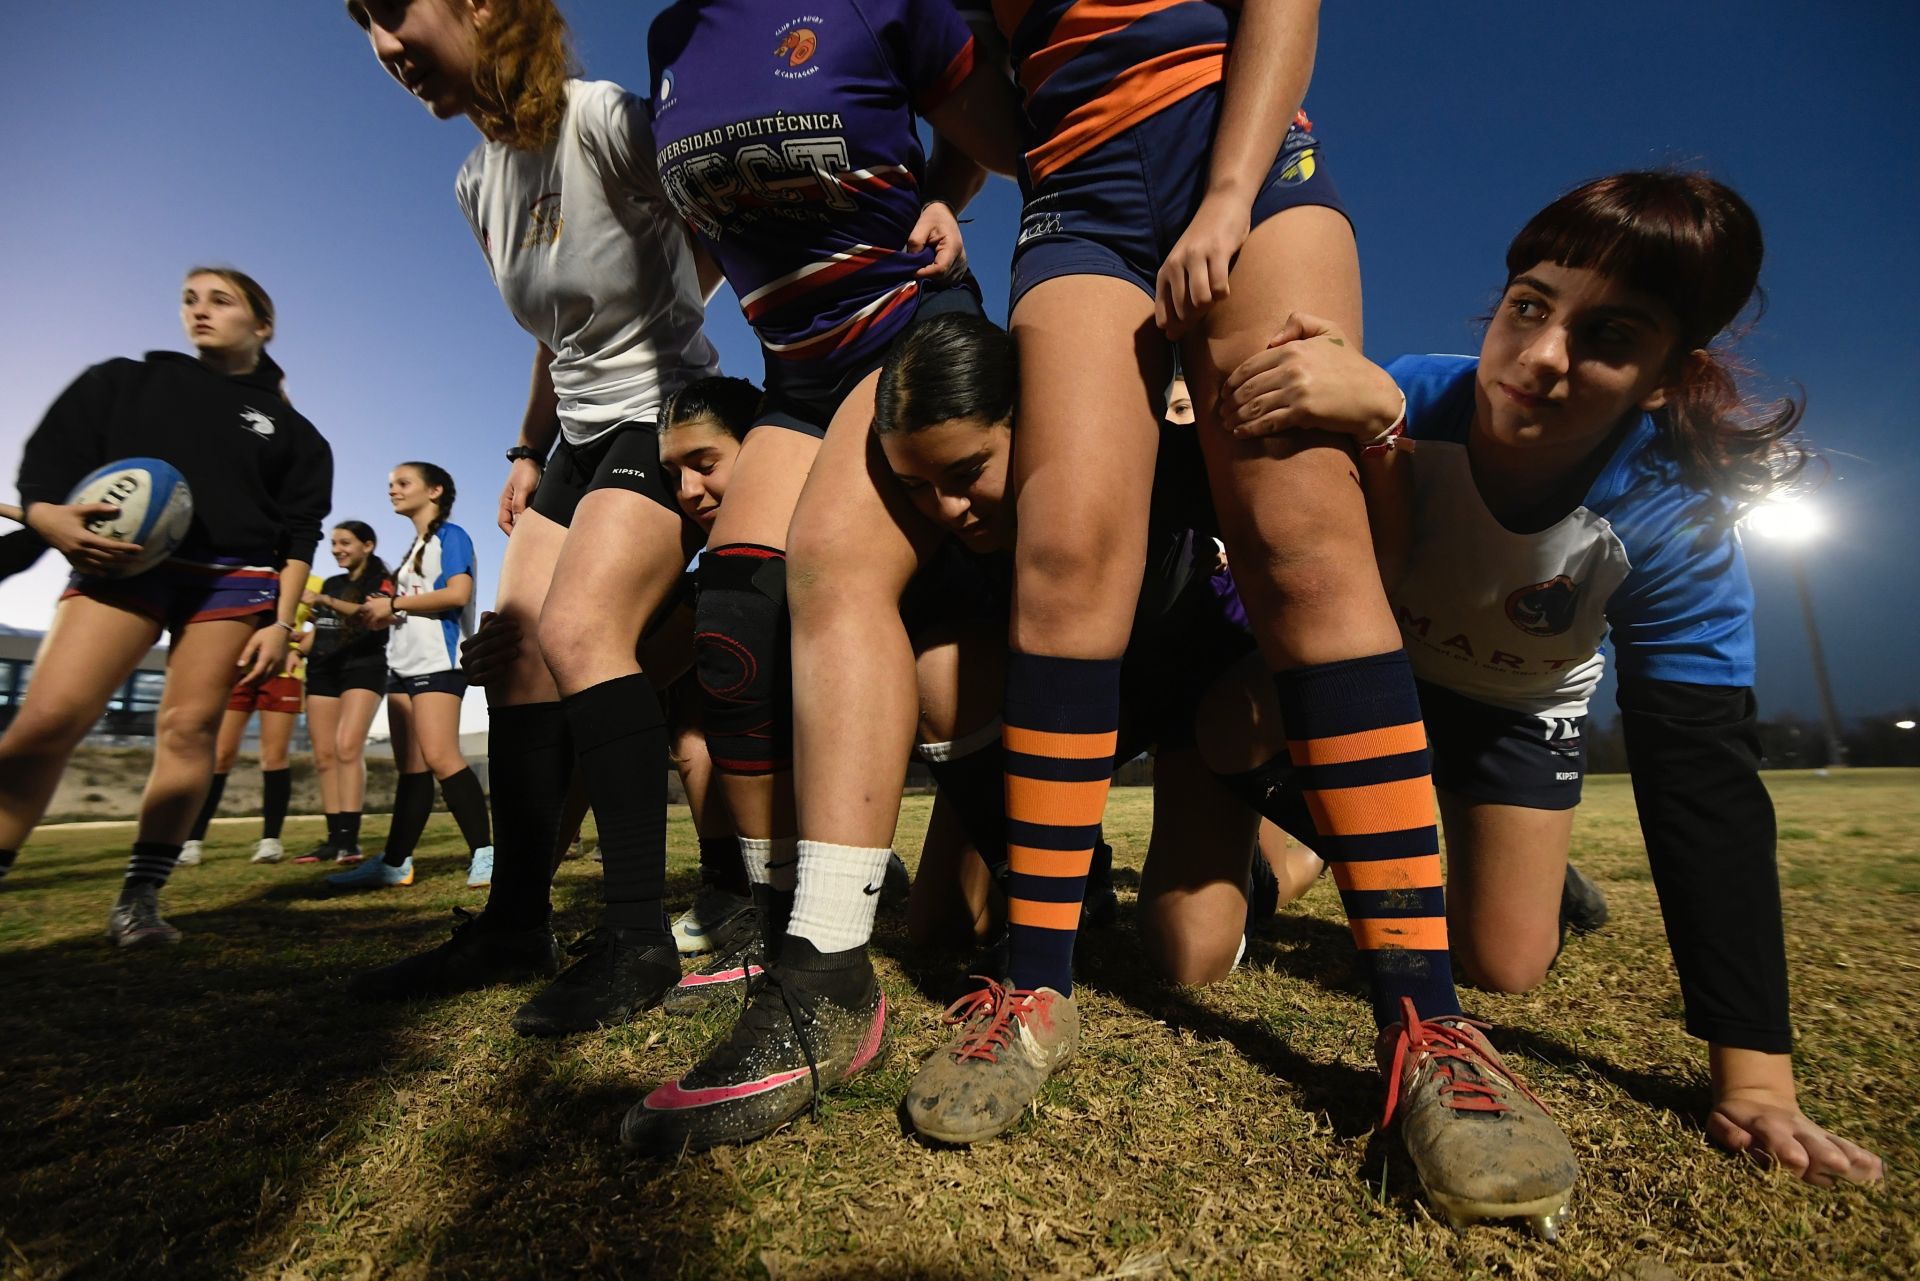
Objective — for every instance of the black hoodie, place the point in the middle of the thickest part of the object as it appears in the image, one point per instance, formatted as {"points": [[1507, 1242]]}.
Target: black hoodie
{"points": [[260, 474]]}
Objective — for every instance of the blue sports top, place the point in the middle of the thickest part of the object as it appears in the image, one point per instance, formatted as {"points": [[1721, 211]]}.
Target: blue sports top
{"points": [[1647, 560], [785, 136]]}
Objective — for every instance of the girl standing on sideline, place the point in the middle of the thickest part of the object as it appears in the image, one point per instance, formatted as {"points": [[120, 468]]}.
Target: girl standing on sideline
{"points": [[279, 701], [262, 478], [346, 675], [790, 143], [563, 200], [429, 612], [1581, 481]]}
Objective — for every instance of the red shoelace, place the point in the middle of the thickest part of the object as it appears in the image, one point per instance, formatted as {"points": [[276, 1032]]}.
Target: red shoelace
{"points": [[1003, 1008], [1469, 1079]]}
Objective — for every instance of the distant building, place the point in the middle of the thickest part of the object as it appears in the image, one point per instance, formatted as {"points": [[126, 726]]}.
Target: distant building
{"points": [[130, 712]]}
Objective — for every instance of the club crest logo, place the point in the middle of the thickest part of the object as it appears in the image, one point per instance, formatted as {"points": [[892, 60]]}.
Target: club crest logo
{"points": [[256, 422], [1544, 609], [666, 87], [795, 43], [544, 221]]}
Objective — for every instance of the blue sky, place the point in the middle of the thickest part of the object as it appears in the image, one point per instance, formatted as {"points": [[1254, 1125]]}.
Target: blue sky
{"points": [[147, 137]]}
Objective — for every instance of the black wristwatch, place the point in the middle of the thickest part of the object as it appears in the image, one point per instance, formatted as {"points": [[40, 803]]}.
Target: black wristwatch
{"points": [[529, 453]]}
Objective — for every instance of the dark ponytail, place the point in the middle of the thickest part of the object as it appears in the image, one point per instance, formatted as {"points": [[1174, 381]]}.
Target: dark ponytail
{"points": [[730, 404], [433, 476], [1694, 244], [953, 366]]}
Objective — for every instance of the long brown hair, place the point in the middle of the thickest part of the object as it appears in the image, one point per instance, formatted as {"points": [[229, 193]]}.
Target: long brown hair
{"points": [[1693, 243], [524, 56]]}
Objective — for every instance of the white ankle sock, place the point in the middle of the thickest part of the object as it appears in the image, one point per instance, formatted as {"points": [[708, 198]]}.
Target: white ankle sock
{"points": [[772, 862], [839, 890]]}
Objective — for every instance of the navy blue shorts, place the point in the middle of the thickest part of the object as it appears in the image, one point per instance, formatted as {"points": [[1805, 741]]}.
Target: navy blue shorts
{"points": [[1118, 210], [432, 683], [810, 412], [1503, 757]]}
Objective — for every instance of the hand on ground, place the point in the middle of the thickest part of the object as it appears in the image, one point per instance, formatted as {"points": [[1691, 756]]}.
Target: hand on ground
{"points": [[1775, 1131]]}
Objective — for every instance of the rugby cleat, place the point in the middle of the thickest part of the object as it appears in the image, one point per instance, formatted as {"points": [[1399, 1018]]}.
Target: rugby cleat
{"points": [[480, 954], [480, 868], [618, 975], [1100, 908], [136, 921], [269, 850], [723, 977], [718, 921], [1482, 1144], [810, 1023], [322, 853], [1582, 906], [374, 874], [190, 854], [980, 1082]]}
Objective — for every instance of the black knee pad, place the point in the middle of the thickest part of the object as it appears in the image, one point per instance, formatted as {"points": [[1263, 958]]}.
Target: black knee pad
{"points": [[742, 659]]}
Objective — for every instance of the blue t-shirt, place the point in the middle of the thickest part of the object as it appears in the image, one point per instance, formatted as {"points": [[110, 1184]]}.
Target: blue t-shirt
{"points": [[1647, 560]]}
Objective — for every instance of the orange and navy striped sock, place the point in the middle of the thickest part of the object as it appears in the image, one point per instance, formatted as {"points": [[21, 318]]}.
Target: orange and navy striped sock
{"points": [[1060, 723], [1359, 748]]}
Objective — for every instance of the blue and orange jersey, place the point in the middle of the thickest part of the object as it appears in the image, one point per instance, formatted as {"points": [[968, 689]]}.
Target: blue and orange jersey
{"points": [[1089, 69], [785, 135]]}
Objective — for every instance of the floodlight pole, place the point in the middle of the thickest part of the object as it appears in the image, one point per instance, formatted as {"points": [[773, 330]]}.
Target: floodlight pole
{"points": [[1836, 748]]}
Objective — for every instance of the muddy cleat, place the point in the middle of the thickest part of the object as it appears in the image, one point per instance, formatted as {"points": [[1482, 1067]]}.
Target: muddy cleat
{"points": [[978, 1084], [718, 921], [190, 854], [1582, 906], [1482, 1144], [480, 954], [136, 921], [720, 979], [811, 1022], [617, 976]]}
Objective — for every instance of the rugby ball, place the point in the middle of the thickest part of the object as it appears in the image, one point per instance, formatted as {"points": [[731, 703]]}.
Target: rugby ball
{"points": [[154, 509]]}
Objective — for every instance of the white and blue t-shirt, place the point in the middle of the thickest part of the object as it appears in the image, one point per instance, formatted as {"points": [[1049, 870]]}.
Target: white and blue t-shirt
{"points": [[422, 644], [1518, 620]]}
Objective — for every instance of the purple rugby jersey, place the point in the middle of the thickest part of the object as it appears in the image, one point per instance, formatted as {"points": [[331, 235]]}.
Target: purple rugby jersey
{"points": [[784, 132]]}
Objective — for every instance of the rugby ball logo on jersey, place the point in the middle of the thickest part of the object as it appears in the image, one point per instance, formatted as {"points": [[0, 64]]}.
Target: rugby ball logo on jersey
{"points": [[796, 42], [256, 422], [1544, 609], [154, 508]]}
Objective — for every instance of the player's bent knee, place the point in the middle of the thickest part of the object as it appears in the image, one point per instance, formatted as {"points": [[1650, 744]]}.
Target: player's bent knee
{"points": [[1502, 970], [741, 640]]}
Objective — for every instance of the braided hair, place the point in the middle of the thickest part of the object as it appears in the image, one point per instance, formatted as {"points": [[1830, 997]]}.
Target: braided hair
{"points": [[433, 476]]}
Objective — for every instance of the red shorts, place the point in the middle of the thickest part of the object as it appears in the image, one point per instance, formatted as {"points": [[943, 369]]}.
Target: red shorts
{"points": [[275, 694]]}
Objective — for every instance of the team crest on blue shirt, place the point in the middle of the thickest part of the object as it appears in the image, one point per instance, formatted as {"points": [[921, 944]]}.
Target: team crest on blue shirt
{"points": [[796, 42], [1544, 609]]}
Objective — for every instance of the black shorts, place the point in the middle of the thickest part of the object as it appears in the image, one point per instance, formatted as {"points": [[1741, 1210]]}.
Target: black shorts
{"points": [[957, 587], [432, 683], [1181, 644], [626, 457], [331, 680], [810, 414], [1503, 757]]}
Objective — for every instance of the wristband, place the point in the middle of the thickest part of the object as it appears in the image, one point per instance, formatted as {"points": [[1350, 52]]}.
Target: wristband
{"points": [[288, 626], [1383, 443]]}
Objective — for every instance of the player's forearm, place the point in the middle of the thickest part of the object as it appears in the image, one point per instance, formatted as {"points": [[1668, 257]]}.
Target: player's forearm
{"points": [[293, 585], [1268, 67], [540, 425]]}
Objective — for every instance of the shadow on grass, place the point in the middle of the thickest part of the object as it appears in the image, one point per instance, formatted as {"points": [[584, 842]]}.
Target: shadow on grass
{"points": [[222, 1107], [1687, 1098]]}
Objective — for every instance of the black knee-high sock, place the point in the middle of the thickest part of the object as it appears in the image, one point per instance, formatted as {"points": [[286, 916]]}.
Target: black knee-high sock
{"points": [[276, 792], [151, 864], [469, 806], [412, 806], [530, 761], [349, 838], [620, 742], [720, 864], [333, 829], [208, 810]]}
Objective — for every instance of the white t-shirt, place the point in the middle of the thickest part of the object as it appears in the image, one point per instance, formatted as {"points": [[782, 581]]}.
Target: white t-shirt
{"points": [[592, 261], [422, 644]]}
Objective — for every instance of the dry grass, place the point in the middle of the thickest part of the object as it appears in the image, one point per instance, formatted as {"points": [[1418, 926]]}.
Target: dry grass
{"points": [[222, 1109]]}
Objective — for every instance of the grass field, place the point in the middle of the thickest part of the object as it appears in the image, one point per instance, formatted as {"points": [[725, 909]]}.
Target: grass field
{"points": [[221, 1109]]}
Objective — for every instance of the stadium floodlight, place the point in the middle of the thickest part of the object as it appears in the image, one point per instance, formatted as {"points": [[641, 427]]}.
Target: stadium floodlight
{"points": [[1905, 724], [1789, 520]]}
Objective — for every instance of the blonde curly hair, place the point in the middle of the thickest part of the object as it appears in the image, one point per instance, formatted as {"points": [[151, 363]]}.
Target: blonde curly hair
{"points": [[524, 57]]}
